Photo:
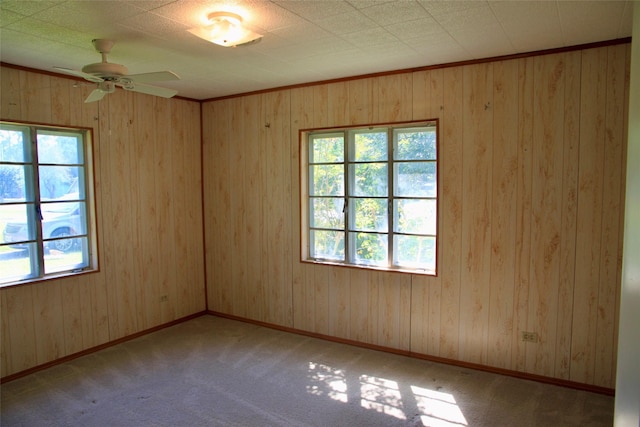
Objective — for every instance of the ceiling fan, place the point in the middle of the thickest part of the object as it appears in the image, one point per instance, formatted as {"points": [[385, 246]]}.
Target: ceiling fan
{"points": [[109, 75]]}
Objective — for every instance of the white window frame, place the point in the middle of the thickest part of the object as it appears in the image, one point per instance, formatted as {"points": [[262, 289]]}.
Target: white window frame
{"points": [[348, 231], [39, 246]]}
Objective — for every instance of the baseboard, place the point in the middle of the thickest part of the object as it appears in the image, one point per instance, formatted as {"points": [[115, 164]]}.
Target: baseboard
{"points": [[69, 357], [454, 362]]}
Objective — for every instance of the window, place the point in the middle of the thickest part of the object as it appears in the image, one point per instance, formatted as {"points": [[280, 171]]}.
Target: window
{"points": [[370, 196], [47, 226]]}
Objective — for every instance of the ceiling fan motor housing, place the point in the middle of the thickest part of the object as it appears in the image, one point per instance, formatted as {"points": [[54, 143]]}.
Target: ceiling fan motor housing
{"points": [[105, 69]]}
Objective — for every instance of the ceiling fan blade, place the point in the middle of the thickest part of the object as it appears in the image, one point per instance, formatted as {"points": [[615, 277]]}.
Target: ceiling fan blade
{"points": [[78, 73], [96, 95], [151, 90], [158, 76]]}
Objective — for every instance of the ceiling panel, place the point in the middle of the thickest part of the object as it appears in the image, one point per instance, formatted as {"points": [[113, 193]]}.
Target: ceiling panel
{"points": [[304, 41]]}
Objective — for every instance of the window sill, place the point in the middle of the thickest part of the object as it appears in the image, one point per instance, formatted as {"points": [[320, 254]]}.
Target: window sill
{"points": [[421, 272]]}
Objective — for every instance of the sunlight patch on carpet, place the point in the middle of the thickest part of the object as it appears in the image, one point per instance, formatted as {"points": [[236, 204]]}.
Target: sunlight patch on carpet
{"points": [[383, 395]]}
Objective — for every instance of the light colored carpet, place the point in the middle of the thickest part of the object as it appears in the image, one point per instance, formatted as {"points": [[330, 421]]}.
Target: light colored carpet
{"points": [[211, 371]]}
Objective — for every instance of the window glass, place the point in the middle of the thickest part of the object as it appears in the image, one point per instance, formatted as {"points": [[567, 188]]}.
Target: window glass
{"points": [[45, 213], [367, 207]]}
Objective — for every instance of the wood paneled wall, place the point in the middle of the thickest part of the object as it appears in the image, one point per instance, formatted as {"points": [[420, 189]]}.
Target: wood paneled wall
{"points": [[147, 158], [531, 161]]}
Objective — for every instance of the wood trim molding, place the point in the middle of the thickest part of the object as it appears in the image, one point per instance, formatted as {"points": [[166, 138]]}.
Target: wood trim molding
{"points": [[69, 357], [434, 67], [436, 359]]}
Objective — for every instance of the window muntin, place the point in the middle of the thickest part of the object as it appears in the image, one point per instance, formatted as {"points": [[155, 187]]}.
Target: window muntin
{"points": [[372, 196], [46, 214]]}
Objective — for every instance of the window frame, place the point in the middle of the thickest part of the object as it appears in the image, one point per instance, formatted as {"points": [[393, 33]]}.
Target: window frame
{"points": [[33, 202], [391, 197]]}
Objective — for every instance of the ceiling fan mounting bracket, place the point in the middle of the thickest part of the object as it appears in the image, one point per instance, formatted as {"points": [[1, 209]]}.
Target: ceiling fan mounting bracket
{"points": [[102, 45]]}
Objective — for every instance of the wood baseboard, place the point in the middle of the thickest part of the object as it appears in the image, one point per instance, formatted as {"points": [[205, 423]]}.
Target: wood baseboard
{"points": [[454, 362], [69, 357]]}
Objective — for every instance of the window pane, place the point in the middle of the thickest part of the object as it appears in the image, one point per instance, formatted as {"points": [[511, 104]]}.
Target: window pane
{"points": [[326, 180], [327, 244], [369, 215], [415, 252], [58, 148], [14, 223], [69, 258], [17, 263], [369, 248], [415, 144], [13, 187], [63, 219], [369, 146], [369, 179], [415, 216], [327, 212], [415, 179], [59, 182], [14, 146], [326, 148]]}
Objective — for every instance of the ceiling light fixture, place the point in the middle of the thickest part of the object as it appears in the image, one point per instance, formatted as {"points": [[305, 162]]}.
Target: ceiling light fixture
{"points": [[225, 29]]}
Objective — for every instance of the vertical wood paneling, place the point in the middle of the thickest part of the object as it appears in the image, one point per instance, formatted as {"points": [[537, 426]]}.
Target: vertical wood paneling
{"points": [[217, 204], [477, 125], [163, 238], [590, 208], [35, 91], [301, 110], [450, 212], [277, 274], [19, 331], [363, 98], [363, 303], [10, 101], [523, 211], [255, 181], [546, 205], [567, 253], [339, 297], [612, 196], [191, 287], [134, 192], [49, 327], [503, 212], [394, 97], [143, 196]]}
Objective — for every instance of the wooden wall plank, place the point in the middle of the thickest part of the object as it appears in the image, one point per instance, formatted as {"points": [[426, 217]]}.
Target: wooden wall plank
{"points": [[612, 196], [590, 212], [217, 204], [569, 210], [363, 105], [546, 211], [10, 99], [503, 212], [301, 111], [477, 126], [19, 331], [339, 297], [49, 329], [394, 98], [450, 212], [524, 196], [363, 302], [163, 189]]}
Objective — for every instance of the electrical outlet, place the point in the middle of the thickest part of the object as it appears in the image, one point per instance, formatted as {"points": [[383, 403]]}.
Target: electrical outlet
{"points": [[164, 298], [529, 336]]}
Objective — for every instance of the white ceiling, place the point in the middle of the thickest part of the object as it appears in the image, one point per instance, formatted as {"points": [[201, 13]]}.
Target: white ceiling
{"points": [[304, 40]]}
